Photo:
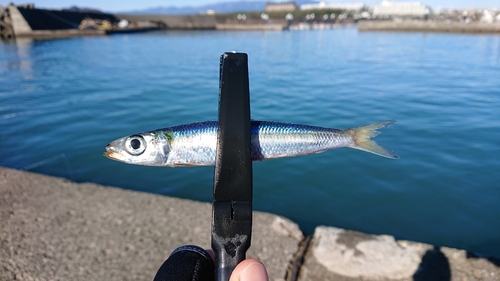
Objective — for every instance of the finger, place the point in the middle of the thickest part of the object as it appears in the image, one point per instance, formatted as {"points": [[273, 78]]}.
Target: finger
{"points": [[249, 270]]}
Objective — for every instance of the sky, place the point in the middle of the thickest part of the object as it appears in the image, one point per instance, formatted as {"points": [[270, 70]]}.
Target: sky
{"points": [[128, 5]]}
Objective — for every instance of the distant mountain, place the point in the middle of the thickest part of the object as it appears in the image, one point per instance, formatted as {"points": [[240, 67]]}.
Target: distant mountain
{"points": [[220, 7], [82, 9]]}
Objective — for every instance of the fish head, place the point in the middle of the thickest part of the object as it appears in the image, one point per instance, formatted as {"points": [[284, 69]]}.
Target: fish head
{"points": [[147, 149]]}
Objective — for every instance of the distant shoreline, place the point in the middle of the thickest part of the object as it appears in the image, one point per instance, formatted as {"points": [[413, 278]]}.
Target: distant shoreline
{"points": [[429, 26], [28, 21]]}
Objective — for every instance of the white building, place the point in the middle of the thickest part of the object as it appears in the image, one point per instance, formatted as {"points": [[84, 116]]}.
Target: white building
{"points": [[354, 6], [488, 16], [404, 9], [281, 6]]}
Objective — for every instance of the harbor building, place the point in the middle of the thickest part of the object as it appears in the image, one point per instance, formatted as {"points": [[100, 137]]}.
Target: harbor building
{"points": [[323, 5], [401, 9], [281, 6]]}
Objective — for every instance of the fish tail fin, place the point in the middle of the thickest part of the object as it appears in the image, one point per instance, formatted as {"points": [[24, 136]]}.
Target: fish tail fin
{"points": [[362, 140]]}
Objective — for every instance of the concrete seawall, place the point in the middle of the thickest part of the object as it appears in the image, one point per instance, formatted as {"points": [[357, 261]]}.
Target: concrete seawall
{"points": [[428, 26], [54, 229], [175, 21], [219, 22]]}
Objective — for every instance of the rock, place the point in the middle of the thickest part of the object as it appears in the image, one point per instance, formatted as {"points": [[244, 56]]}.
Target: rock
{"points": [[342, 255], [287, 228], [356, 255]]}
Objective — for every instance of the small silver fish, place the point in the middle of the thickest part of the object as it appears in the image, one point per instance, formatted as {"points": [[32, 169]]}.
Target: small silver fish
{"points": [[195, 144]]}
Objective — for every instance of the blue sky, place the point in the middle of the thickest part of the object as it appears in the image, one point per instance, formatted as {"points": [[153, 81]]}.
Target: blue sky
{"points": [[125, 5]]}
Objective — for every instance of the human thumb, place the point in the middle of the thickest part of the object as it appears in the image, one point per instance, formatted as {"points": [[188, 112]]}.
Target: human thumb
{"points": [[249, 270]]}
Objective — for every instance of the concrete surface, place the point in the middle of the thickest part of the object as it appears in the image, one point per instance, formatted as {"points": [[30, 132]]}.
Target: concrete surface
{"points": [[41, 34], [54, 229], [200, 21], [240, 27], [429, 26], [19, 24]]}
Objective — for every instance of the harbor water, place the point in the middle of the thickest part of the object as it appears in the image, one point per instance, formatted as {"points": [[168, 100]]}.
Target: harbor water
{"points": [[62, 101]]}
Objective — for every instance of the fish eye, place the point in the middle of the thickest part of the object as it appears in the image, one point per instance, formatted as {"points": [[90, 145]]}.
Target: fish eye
{"points": [[135, 145]]}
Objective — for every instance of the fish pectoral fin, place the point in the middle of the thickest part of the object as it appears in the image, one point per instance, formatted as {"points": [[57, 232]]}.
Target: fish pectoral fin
{"points": [[320, 151], [187, 165]]}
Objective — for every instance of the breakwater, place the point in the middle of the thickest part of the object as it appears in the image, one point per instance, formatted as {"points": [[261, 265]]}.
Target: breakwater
{"points": [[28, 21], [429, 26], [196, 22]]}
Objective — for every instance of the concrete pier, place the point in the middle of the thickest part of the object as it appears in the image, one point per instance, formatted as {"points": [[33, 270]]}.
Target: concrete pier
{"points": [[28, 21], [240, 27], [175, 21], [19, 23], [429, 26], [55, 229]]}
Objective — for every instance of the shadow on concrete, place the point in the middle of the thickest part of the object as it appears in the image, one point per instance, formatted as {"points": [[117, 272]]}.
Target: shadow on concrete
{"points": [[493, 260], [434, 267]]}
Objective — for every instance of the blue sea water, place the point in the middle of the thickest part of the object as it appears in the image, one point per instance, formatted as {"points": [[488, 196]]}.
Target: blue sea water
{"points": [[62, 101]]}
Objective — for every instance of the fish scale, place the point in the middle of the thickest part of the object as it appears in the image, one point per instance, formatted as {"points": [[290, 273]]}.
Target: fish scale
{"points": [[276, 140]]}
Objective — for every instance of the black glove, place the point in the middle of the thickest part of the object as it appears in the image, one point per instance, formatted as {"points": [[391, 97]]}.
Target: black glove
{"points": [[187, 263]]}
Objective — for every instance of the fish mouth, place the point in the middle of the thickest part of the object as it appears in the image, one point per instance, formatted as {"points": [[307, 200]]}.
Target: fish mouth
{"points": [[109, 152], [112, 153]]}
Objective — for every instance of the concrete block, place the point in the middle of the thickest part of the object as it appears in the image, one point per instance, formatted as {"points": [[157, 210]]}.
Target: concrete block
{"points": [[19, 24], [341, 255]]}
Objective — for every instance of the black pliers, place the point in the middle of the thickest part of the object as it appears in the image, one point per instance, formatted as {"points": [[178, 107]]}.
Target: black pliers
{"points": [[232, 193]]}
